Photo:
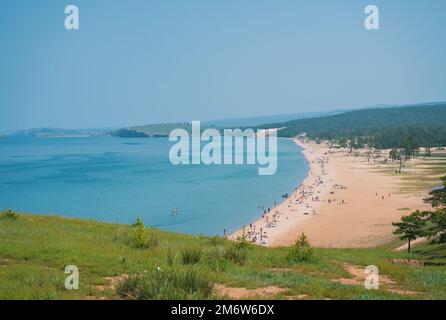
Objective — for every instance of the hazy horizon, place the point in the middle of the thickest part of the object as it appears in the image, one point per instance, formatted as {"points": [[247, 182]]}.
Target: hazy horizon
{"points": [[322, 113], [139, 62]]}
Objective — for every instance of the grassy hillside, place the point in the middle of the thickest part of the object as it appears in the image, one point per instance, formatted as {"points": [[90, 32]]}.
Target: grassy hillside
{"points": [[34, 251], [425, 125]]}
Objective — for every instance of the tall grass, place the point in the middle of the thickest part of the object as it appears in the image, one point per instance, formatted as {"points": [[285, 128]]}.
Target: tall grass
{"points": [[214, 260], [33, 248], [170, 257], [236, 254], [191, 255], [171, 284]]}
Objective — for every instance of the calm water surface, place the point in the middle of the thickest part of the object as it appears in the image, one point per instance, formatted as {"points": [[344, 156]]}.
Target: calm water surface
{"points": [[112, 179]]}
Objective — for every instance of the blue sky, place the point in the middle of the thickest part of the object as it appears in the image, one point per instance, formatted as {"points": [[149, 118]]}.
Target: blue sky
{"points": [[141, 61]]}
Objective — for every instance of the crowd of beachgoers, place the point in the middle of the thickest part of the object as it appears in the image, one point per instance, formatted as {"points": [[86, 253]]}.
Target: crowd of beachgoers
{"points": [[345, 201], [302, 201]]}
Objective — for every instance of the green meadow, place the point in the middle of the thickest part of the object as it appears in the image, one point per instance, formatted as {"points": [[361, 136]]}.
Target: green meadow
{"points": [[132, 262]]}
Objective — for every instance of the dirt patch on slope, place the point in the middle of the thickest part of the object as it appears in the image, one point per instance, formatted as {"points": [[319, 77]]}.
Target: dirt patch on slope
{"points": [[112, 282], [243, 293], [359, 276], [264, 292], [280, 270], [409, 262]]}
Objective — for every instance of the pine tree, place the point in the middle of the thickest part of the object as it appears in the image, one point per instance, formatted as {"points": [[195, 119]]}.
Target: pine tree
{"points": [[411, 227]]}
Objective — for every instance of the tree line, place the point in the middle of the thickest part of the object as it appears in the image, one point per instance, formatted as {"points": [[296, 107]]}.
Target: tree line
{"points": [[381, 128]]}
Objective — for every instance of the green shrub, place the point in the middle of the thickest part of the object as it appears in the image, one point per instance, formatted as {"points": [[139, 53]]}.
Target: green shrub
{"points": [[9, 215], [236, 254], [138, 223], [137, 236], [191, 255], [171, 284], [142, 239], [301, 251], [140, 236]]}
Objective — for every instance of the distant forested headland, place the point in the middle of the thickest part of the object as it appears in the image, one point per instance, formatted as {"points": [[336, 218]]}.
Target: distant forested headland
{"points": [[150, 130], [382, 128]]}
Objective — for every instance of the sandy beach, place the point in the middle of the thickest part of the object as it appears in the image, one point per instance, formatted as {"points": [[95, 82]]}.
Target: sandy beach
{"points": [[343, 202]]}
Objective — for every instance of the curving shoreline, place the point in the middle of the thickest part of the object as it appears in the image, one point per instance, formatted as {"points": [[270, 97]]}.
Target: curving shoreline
{"points": [[343, 202], [279, 223]]}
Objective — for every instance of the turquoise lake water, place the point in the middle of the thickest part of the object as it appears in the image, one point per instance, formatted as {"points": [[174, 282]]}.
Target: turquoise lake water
{"points": [[115, 180]]}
